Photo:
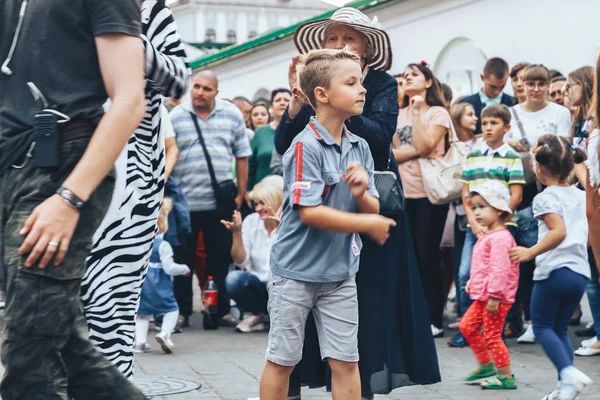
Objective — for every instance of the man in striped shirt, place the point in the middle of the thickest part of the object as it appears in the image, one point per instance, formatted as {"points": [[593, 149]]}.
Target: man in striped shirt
{"points": [[224, 132], [493, 160]]}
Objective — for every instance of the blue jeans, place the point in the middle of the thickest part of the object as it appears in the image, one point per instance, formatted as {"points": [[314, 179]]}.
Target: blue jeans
{"points": [[247, 291], [464, 272], [553, 303], [527, 237], [593, 292]]}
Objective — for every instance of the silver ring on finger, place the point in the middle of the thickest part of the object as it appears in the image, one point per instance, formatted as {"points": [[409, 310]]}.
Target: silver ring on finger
{"points": [[52, 244]]}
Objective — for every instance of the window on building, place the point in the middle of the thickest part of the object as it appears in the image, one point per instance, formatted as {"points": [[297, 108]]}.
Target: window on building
{"points": [[231, 28], [252, 21], [272, 21], [210, 22]]}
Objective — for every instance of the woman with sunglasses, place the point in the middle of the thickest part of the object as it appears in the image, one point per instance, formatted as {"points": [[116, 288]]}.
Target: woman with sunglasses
{"points": [[531, 119]]}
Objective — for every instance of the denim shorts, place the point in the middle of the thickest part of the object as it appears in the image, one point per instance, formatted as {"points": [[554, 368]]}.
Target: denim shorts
{"points": [[334, 307]]}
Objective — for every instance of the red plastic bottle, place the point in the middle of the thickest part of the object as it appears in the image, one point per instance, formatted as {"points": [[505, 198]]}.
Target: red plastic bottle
{"points": [[210, 300]]}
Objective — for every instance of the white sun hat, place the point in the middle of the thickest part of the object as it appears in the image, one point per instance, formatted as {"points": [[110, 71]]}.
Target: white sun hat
{"points": [[310, 35]]}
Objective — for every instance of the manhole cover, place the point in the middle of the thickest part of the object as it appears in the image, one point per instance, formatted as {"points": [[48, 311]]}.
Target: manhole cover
{"points": [[165, 386]]}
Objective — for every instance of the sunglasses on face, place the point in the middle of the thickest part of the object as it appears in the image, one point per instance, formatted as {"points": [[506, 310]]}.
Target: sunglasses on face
{"points": [[536, 85]]}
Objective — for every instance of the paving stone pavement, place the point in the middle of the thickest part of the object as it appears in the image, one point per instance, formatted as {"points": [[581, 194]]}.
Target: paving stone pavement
{"points": [[229, 365]]}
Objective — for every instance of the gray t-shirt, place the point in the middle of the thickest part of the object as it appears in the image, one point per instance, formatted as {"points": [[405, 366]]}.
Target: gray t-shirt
{"points": [[314, 174], [55, 49], [569, 203]]}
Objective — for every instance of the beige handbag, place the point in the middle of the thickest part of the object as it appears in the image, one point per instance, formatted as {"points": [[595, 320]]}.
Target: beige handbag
{"points": [[441, 176]]}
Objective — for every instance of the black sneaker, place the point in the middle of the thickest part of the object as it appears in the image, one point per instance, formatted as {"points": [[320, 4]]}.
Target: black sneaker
{"points": [[588, 331], [184, 321], [457, 340]]}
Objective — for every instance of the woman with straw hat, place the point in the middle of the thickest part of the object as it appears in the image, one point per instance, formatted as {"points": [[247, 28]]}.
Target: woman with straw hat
{"points": [[394, 321]]}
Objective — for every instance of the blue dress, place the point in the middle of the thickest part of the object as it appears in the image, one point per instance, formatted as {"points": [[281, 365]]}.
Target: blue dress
{"points": [[157, 291], [395, 344]]}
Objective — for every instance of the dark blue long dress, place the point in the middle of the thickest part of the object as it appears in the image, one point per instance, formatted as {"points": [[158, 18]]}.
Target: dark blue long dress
{"points": [[394, 336]]}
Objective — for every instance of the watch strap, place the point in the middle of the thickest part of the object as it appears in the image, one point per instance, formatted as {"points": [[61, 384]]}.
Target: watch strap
{"points": [[70, 198]]}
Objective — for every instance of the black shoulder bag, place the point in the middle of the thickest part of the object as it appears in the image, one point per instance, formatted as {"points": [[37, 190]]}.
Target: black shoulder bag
{"points": [[226, 191], [391, 195]]}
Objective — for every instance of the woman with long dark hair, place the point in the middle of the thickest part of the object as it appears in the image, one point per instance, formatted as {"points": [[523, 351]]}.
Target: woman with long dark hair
{"points": [[592, 346], [423, 123], [516, 80]]}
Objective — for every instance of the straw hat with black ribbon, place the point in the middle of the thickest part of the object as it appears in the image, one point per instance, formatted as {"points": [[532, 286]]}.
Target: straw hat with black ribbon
{"points": [[310, 35]]}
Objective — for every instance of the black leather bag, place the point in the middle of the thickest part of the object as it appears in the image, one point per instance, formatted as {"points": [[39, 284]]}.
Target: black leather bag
{"points": [[391, 195], [225, 191]]}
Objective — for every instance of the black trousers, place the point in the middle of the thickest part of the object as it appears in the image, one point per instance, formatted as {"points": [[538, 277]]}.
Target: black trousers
{"points": [[426, 222], [217, 242]]}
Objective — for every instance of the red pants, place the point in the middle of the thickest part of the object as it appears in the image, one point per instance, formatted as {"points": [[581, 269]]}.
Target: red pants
{"points": [[491, 340]]}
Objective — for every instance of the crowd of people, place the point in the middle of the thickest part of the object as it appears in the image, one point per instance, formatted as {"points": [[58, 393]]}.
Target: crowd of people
{"points": [[352, 195]]}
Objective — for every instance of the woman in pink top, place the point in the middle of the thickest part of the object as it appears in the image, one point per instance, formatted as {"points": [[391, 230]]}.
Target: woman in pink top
{"points": [[492, 287], [423, 122]]}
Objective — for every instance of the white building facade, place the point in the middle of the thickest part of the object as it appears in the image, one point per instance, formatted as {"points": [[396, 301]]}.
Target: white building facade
{"points": [[455, 37], [235, 21]]}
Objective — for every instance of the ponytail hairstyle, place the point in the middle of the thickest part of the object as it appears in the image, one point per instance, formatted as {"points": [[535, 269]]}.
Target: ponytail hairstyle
{"points": [[558, 156], [435, 94], [584, 76]]}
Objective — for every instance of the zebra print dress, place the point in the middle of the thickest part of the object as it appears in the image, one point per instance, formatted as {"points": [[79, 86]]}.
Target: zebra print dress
{"points": [[118, 262]]}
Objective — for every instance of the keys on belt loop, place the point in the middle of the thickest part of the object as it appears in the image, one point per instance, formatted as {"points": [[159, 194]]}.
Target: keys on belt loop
{"points": [[27, 157]]}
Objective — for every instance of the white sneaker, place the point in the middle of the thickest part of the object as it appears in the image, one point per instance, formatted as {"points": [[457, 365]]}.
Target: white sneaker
{"points": [[164, 339], [528, 336], [571, 376], [552, 396], [436, 332], [251, 323], [142, 348], [589, 342]]}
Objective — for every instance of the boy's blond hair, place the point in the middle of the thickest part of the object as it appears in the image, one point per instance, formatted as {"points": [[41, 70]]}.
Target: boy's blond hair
{"points": [[269, 191], [318, 68], [163, 217]]}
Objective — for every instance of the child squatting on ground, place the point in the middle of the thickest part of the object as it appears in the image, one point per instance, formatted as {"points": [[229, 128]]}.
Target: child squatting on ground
{"points": [[329, 199], [492, 287], [562, 268], [157, 291]]}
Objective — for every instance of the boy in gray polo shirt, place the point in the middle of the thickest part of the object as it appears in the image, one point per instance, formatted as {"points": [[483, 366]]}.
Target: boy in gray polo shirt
{"points": [[329, 199]]}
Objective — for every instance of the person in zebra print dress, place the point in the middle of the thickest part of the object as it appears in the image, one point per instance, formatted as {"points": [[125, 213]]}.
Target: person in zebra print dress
{"points": [[118, 262]]}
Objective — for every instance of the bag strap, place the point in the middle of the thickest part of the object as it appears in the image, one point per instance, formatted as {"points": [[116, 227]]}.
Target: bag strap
{"points": [[452, 136], [211, 171], [519, 123]]}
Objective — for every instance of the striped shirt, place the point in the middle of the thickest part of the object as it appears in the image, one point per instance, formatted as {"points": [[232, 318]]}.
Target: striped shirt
{"points": [[224, 133], [503, 164]]}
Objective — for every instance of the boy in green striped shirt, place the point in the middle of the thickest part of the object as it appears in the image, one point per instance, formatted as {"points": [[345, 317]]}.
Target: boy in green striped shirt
{"points": [[493, 160]]}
